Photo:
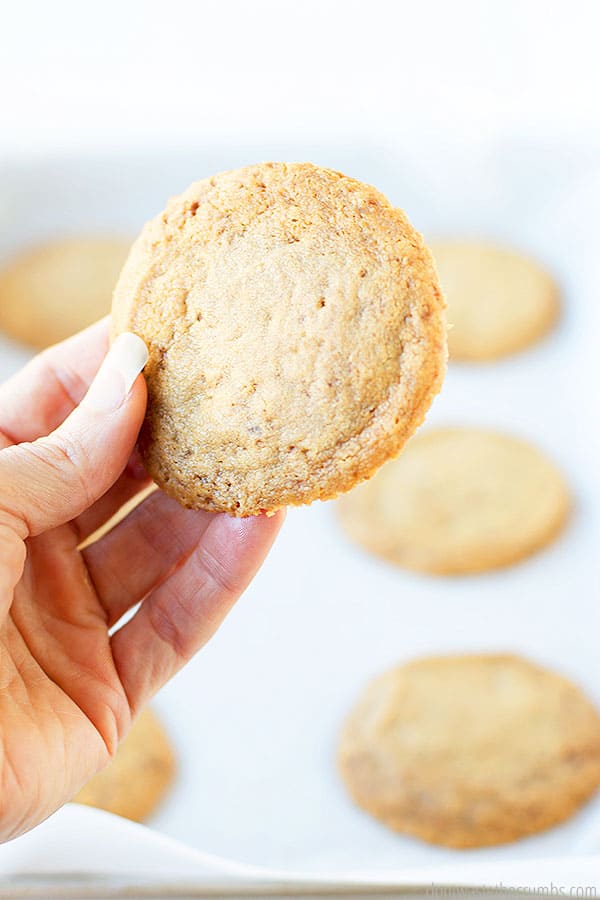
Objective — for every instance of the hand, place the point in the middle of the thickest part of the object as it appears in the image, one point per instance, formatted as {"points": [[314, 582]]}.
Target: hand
{"points": [[69, 690]]}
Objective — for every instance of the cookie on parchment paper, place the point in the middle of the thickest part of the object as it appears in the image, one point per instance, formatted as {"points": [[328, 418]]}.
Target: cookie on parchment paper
{"points": [[499, 301], [136, 780], [53, 290], [469, 751], [459, 501]]}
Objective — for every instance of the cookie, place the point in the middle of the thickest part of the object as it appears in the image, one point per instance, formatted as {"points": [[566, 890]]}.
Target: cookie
{"points": [[54, 290], [459, 500], [498, 301], [296, 335], [469, 751], [138, 777]]}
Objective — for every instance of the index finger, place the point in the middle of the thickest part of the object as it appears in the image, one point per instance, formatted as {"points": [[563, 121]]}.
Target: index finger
{"points": [[39, 397]]}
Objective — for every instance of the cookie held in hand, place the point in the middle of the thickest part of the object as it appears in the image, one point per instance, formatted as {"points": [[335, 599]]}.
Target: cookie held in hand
{"points": [[296, 335]]}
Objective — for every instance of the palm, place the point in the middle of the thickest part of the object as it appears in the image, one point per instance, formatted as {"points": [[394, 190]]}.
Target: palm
{"points": [[70, 686], [58, 659]]}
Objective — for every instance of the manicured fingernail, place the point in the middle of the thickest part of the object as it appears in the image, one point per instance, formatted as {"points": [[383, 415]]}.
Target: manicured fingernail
{"points": [[123, 363]]}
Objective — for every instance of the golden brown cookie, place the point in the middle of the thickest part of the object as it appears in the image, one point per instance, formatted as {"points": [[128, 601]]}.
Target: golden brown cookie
{"points": [[51, 291], [469, 751], [138, 777], [458, 500], [498, 301], [296, 336]]}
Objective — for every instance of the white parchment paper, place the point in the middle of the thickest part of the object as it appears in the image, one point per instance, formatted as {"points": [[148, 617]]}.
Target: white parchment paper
{"points": [[255, 716]]}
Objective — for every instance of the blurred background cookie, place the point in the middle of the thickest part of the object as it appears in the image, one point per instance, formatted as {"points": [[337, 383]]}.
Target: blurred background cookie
{"points": [[498, 301], [137, 779], [458, 500], [50, 291], [470, 751]]}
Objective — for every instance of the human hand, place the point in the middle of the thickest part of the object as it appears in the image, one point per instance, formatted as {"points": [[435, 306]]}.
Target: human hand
{"points": [[69, 690]]}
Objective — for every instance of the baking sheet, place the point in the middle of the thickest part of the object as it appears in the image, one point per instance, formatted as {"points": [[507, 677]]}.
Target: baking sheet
{"points": [[255, 716]]}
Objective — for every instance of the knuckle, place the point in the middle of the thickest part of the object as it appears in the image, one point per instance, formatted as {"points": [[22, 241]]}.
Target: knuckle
{"points": [[68, 458], [217, 571], [170, 625], [115, 723]]}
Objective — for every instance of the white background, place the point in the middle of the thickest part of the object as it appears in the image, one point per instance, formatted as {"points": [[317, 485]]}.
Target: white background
{"points": [[121, 71], [476, 117]]}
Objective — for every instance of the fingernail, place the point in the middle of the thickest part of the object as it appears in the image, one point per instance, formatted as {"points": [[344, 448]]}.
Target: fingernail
{"points": [[121, 366]]}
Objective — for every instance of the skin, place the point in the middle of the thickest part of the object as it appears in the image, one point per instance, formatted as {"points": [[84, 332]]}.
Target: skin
{"points": [[68, 689]]}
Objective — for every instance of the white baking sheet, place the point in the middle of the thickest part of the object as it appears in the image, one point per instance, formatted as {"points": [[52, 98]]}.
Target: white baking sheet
{"points": [[255, 715]]}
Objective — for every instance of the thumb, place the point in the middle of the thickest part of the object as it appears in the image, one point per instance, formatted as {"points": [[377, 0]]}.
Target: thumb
{"points": [[50, 481]]}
